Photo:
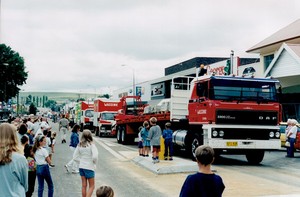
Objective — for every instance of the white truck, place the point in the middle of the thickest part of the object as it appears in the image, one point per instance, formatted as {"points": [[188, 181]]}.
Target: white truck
{"points": [[104, 113]]}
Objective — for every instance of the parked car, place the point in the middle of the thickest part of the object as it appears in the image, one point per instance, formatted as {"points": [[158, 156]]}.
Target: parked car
{"points": [[282, 133]]}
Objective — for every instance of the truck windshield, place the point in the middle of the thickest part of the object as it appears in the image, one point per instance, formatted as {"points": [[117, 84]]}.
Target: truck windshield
{"points": [[108, 116], [243, 90], [89, 113]]}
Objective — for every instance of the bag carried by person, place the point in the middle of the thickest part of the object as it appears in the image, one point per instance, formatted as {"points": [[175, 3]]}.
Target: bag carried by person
{"points": [[287, 144]]}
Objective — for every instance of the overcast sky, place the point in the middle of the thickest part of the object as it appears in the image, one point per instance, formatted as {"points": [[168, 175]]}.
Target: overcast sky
{"points": [[80, 45]]}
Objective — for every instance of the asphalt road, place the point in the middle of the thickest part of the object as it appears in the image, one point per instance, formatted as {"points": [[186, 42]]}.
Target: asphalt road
{"points": [[275, 176]]}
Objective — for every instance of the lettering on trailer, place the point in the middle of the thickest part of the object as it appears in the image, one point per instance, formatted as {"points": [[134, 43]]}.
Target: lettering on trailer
{"points": [[111, 104]]}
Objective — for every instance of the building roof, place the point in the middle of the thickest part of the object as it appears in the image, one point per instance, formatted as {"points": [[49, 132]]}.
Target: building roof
{"points": [[188, 68], [295, 48], [192, 63], [285, 34], [196, 61], [289, 69]]}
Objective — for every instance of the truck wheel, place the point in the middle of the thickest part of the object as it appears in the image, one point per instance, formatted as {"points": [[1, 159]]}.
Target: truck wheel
{"points": [[124, 137], [192, 142], [255, 156], [119, 134], [96, 131], [195, 143]]}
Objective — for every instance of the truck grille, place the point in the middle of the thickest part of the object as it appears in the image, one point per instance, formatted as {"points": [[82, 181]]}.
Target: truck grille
{"points": [[246, 134], [106, 127], [246, 117]]}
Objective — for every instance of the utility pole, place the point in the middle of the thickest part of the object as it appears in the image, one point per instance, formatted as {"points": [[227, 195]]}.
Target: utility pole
{"points": [[231, 61]]}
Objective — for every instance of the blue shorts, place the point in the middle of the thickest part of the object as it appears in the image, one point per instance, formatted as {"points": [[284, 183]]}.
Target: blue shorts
{"points": [[140, 144], [86, 173]]}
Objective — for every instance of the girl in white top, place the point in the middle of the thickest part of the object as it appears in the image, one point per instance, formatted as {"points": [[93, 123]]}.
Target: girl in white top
{"points": [[42, 160], [87, 154]]}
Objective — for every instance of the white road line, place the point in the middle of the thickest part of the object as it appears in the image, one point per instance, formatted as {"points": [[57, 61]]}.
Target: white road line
{"points": [[117, 155]]}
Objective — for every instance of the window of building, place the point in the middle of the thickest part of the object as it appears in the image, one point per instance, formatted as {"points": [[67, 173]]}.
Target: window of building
{"points": [[267, 60]]}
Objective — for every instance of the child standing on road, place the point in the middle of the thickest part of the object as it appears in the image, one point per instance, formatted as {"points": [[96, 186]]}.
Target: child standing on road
{"points": [[74, 140], [167, 135], [154, 136], [28, 153], [87, 152], [140, 143], [48, 146], [42, 159], [204, 182], [146, 141], [53, 141]]}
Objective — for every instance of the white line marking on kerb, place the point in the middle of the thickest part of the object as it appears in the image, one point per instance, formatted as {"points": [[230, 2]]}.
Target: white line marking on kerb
{"points": [[117, 155]]}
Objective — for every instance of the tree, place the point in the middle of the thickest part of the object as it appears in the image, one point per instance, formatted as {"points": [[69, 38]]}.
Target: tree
{"points": [[12, 72], [50, 103], [80, 99], [32, 109], [104, 96], [28, 99]]}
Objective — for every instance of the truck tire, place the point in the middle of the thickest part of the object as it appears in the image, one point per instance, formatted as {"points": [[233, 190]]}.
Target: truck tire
{"points": [[192, 141], [96, 131], [255, 156], [119, 134], [124, 136]]}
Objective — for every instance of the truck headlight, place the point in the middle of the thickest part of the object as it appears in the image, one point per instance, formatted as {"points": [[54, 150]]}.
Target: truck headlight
{"points": [[221, 133], [271, 134], [277, 134], [215, 133]]}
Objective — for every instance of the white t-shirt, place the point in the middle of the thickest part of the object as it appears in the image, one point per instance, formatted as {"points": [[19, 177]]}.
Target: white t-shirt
{"points": [[30, 125], [38, 132], [45, 125], [40, 156], [48, 143], [36, 127], [88, 156], [293, 130]]}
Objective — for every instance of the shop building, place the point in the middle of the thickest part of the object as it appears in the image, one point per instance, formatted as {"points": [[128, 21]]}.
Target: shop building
{"points": [[280, 59]]}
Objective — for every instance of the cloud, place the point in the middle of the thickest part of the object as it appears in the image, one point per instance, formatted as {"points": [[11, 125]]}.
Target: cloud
{"points": [[80, 45]]}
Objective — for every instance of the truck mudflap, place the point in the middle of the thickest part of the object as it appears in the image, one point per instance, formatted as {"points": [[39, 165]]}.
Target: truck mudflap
{"points": [[242, 137]]}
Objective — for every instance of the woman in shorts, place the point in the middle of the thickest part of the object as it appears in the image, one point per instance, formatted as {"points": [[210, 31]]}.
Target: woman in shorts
{"points": [[87, 153]]}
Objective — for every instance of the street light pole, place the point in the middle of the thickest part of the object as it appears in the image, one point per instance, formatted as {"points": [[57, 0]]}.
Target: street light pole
{"points": [[133, 79]]}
